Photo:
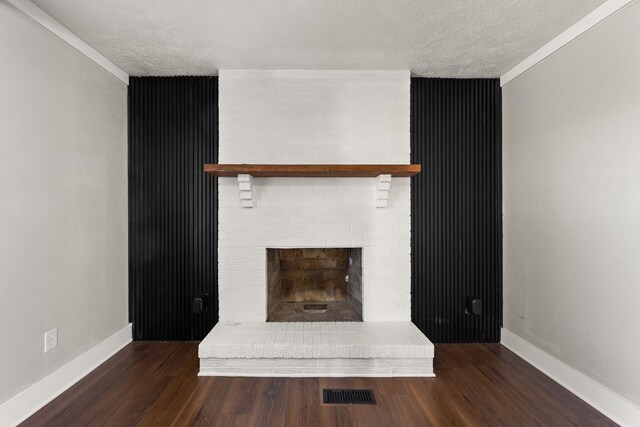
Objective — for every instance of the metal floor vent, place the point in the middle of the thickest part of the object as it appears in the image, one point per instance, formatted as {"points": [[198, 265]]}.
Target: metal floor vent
{"points": [[358, 396]]}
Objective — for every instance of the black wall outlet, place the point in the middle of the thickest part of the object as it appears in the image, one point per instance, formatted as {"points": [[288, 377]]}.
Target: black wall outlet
{"points": [[200, 303], [474, 306]]}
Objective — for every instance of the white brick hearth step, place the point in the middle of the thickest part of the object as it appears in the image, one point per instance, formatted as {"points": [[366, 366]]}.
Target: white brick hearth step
{"points": [[303, 349]]}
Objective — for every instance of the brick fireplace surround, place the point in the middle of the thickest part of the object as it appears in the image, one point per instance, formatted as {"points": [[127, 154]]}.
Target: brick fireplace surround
{"points": [[314, 117]]}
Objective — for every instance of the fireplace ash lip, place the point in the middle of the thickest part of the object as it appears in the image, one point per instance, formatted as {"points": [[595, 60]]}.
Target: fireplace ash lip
{"points": [[315, 308]]}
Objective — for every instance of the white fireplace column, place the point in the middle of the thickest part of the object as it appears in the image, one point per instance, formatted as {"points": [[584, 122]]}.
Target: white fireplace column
{"points": [[314, 117]]}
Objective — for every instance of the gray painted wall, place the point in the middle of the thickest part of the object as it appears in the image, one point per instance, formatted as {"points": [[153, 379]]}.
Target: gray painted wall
{"points": [[63, 202], [572, 204]]}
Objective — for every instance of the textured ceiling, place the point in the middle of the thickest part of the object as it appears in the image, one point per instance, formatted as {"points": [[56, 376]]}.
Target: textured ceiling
{"points": [[436, 38]]}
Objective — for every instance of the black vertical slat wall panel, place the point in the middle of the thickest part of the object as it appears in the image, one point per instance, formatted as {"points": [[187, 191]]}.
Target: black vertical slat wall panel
{"points": [[173, 132], [456, 208]]}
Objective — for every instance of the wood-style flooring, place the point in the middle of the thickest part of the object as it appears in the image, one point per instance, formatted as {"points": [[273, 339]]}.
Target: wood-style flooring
{"points": [[155, 384]]}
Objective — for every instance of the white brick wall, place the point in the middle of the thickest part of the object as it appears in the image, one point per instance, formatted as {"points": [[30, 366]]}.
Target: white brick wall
{"points": [[314, 117]]}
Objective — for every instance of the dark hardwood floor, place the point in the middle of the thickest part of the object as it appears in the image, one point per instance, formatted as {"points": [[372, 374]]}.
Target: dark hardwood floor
{"points": [[155, 384]]}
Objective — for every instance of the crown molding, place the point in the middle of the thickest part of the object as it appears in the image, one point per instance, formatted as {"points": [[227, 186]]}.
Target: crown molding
{"points": [[582, 26], [55, 27]]}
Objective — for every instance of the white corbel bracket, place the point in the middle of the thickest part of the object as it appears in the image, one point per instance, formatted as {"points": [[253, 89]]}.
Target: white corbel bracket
{"points": [[245, 187], [382, 192]]}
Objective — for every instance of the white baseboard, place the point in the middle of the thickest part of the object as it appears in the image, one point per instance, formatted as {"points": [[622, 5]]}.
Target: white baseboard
{"points": [[25, 404], [616, 407]]}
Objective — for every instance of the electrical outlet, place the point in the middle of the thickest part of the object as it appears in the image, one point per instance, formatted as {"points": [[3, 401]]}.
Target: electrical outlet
{"points": [[50, 339]]}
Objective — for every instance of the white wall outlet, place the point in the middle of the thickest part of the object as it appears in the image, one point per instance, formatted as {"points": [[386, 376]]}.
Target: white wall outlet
{"points": [[50, 339]]}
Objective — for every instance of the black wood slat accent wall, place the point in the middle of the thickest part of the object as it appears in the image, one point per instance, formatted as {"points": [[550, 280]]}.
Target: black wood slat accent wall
{"points": [[173, 132], [456, 205]]}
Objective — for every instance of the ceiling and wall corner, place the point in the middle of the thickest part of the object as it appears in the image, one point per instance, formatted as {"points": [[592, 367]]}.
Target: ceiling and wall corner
{"points": [[433, 38], [576, 30], [397, 51], [473, 22], [54, 26]]}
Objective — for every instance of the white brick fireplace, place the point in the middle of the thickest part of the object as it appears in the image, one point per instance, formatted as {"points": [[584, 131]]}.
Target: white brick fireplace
{"points": [[314, 117]]}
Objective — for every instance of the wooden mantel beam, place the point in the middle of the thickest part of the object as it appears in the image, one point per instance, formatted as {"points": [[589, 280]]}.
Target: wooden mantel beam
{"points": [[318, 171]]}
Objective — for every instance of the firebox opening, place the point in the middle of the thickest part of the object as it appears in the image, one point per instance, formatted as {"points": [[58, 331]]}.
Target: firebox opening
{"points": [[314, 285]]}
